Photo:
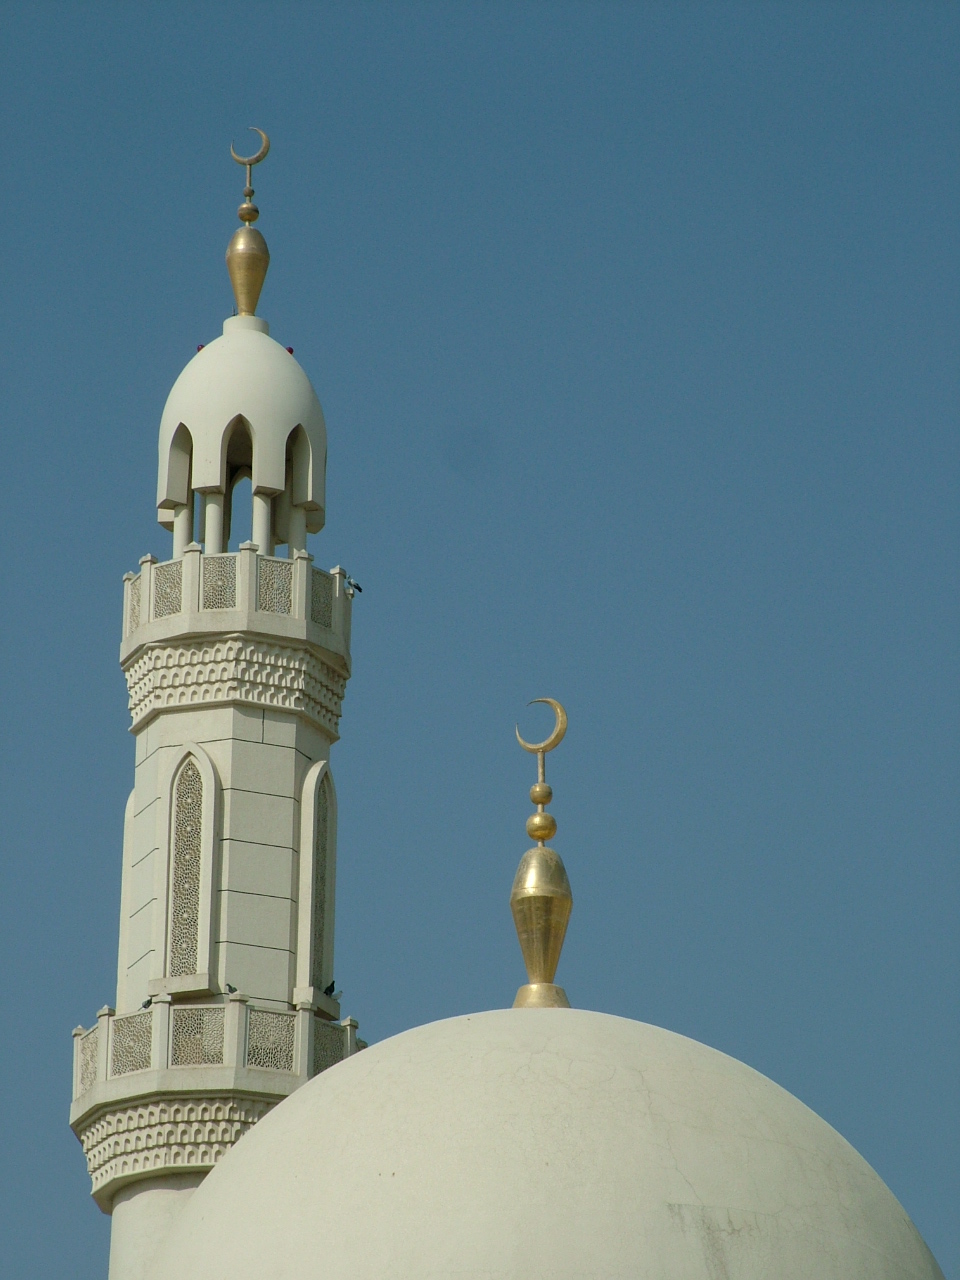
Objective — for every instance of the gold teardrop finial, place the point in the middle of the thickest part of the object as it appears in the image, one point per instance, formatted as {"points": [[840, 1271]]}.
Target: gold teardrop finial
{"points": [[541, 900], [247, 254]]}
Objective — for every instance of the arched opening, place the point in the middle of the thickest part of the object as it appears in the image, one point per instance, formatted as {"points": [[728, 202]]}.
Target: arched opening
{"points": [[238, 498], [238, 511], [297, 490], [180, 496]]}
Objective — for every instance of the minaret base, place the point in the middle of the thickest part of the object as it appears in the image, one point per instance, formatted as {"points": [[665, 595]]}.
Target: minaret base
{"points": [[143, 1215]]}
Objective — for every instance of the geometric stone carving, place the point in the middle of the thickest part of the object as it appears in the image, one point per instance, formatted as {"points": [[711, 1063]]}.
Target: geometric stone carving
{"points": [[130, 1043], [197, 1037], [181, 1133], [328, 1044], [235, 669], [185, 912], [89, 1051], [321, 599], [168, 588], [270, 1039], [274, 585], [133, 608], [219, 582]]}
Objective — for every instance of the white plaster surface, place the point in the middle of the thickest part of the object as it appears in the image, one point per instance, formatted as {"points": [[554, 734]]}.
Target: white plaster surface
{"points": [[258, 868], [262, 973], [143, 1216], [542, 1143]]}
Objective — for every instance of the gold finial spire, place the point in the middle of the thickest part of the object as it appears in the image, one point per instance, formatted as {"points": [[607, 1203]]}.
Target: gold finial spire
{"points": [[247, 254], [541, 900]]}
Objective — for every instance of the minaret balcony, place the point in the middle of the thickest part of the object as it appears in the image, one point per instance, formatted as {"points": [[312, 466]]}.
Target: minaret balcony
{"points": [[236, 627], [176, 1084]]}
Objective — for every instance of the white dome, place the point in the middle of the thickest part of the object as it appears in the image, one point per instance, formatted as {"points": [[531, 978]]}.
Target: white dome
{"points": [[244, 375], [535, 1143]]}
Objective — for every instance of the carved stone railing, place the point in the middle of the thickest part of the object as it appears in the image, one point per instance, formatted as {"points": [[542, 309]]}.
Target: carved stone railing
{"points": [[232, 1034], [235, 582], [172, 1087]]}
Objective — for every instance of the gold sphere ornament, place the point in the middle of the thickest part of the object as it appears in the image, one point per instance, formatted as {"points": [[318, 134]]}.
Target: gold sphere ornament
{"points": [[541, 793], [541, 826]]}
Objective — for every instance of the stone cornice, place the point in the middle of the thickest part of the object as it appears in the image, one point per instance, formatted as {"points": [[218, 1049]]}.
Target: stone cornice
{"points": [[234, 669], [128, 1142]]}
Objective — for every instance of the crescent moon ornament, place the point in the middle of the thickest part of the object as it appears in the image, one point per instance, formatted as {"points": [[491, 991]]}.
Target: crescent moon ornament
{"points": [[261, 154], [559, 729]]}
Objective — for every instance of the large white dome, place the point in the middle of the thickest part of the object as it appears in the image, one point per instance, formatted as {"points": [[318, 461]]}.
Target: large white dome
{"points": [[535, 1143]]}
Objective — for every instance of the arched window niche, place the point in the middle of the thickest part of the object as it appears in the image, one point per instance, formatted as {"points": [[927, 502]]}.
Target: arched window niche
{"points": [[191, 811], [317, 884]]}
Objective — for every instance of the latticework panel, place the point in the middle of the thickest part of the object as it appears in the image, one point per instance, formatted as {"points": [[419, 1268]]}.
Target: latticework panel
{"points": [[133, 604], [219, 582], [167, 588], [270, 1040], [197, 1036], [320, 882], [321, 598], [275, 586], [130, 1041], [88, 1053], [187, 831], [328, 1044]]}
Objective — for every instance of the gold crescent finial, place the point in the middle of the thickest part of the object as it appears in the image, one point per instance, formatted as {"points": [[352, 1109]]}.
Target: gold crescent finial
{"points": [[559, 729], [541, 900], [250, 161], [247, 254], [248, 211]]}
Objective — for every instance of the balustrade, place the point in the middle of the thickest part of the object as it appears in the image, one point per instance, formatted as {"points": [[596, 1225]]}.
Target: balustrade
{"points": [[229, 1034], [235, 581]]}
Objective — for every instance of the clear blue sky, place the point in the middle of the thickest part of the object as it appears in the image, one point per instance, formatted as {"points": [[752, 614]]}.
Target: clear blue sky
{"points": [[636, 331]]}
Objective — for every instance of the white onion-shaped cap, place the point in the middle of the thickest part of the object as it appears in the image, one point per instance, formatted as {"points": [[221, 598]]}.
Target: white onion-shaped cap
{"points": [[244, 375]]}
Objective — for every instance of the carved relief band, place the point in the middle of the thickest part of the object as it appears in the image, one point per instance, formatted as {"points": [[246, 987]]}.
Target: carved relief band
{"points": [[259, 673], [176, 1133]]}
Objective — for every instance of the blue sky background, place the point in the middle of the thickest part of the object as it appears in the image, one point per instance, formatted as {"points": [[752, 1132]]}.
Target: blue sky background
{"points": [[636, 331]]}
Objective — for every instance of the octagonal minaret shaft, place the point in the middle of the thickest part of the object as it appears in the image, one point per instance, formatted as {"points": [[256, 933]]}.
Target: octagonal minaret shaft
{"points": [[236, 662]]}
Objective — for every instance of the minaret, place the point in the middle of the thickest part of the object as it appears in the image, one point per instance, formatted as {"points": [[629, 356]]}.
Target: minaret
{"points": [[236, 663]]}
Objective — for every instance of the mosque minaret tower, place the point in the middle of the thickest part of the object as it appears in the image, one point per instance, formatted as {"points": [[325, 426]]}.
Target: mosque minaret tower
{"points": [[236, 664]]}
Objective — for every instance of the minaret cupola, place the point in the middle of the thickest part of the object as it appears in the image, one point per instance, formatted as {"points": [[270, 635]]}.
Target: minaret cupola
{"points": [[243, 409]]}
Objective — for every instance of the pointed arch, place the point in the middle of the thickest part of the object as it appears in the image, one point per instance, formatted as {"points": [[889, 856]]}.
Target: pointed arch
{"points": [[236, 448], [175, 475], [236, 464], [307, 478], [300, 457], [317, 885]]}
